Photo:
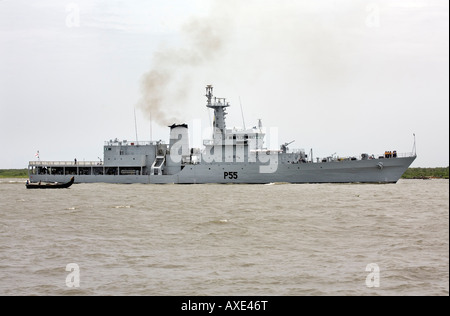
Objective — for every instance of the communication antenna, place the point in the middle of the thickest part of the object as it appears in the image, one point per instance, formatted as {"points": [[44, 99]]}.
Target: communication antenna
{"points": [[135, 126], [151, 127], [414, 150], [209, 96], [209, 116], [242, 112]]}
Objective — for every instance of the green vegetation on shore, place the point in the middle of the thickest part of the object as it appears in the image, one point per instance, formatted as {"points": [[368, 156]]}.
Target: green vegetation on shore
{"points": [[13, 173], [426, 173], [411, 173]]}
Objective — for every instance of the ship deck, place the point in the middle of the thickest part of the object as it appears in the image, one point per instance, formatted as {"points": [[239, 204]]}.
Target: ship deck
{"points": [[82, 168]]}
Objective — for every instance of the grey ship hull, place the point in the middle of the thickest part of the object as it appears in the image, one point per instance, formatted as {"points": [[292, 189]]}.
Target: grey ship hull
{"points": [[358, 171]]}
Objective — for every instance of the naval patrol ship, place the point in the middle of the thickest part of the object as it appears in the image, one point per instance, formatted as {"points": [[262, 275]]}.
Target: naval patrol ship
{"points": [[229, 156]]}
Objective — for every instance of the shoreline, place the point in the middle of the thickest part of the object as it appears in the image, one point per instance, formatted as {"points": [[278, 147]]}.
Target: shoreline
{"points": [[13, 173]]}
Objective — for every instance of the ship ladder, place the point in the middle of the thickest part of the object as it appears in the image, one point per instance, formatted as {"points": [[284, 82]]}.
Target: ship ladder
{"points": [[157, 165]]}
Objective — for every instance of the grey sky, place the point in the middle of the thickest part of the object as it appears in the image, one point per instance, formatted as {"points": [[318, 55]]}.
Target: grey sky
{"points": [[336, 76]]}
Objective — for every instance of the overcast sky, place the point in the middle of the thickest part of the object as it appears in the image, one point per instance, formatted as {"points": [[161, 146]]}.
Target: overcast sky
{"points": [[345, 77]]}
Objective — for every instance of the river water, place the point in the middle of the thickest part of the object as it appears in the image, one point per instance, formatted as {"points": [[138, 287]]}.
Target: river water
{"points": [[220, 240]]}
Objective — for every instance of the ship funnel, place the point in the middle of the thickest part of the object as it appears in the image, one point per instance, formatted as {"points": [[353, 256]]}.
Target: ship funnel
{"points": [[179, 139], [178, 148]]}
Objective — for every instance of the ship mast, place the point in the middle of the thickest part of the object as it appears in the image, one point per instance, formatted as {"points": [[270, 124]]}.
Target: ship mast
{"points": [[219, 105]]}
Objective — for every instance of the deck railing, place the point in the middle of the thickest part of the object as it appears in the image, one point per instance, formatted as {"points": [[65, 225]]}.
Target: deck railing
{"points": [[100, 163], [113, 143], [369, 157], [67, 163], [399, 155]]}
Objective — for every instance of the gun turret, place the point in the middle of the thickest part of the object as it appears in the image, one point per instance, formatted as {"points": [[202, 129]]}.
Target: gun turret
{"points": [[284, 147]]}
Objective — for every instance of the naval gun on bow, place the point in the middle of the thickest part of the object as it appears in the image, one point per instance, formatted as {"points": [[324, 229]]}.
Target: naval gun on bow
{"points": [[284, 148]]}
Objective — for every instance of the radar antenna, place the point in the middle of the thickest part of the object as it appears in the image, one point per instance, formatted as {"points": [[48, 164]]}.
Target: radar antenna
{"points": [[209, 93], [242, 112]]}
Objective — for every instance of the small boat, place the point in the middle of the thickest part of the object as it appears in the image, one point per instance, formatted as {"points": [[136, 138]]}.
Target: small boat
{"points": [[50, 185]]}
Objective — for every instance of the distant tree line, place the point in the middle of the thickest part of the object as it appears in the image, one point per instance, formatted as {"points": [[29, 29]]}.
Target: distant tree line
{"points": [[13, 173], [426, 173]]}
